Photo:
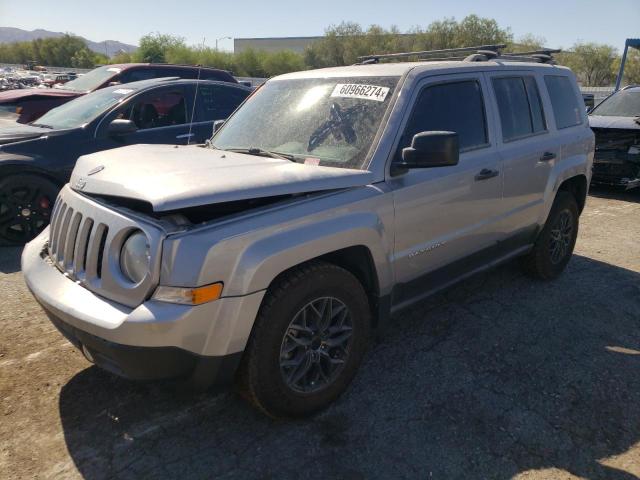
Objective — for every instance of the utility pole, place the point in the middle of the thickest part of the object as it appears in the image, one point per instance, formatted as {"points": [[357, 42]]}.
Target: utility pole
{"points": [[221, 38]]}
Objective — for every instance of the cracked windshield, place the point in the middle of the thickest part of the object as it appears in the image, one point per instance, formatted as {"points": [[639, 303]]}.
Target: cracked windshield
{"points": [[329, 122]]}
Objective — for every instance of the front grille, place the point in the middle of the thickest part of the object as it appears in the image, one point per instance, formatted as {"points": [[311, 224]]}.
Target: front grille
{"points": [[85, 239], [75, 246]]}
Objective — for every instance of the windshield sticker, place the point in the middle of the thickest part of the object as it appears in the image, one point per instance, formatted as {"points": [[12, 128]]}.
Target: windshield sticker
{"points": [[113, 69], [123, 91], [312, 161], [357, 90]]}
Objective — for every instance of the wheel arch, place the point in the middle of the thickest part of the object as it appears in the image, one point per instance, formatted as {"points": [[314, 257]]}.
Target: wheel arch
{"points": [[357, 260], [577, 186], [20, 168]]}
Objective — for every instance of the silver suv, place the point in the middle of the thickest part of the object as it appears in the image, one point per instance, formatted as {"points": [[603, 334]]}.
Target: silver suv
{"points": [[329, 201]]}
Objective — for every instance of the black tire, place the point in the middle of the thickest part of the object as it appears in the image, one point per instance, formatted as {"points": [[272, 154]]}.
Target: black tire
{"points": [[26, 202], [263, 378], [548, 258]]}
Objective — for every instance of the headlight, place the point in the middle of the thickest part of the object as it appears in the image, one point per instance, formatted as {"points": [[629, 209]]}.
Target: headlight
{"points": [[135, 257]]}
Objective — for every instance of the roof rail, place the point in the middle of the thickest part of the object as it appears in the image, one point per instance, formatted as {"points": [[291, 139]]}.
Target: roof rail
{"points": [[480, 53], [377, 57]]}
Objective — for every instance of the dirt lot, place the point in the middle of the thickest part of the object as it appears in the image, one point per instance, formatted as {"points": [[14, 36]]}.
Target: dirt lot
{"points": [[499, 377]]}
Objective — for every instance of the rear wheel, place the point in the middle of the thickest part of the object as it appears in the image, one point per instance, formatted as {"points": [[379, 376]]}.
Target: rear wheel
{"points": [[308, 341], [26, 202], [554, 246]]}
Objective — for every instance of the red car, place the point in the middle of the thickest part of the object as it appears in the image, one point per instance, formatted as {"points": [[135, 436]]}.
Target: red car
{"points": [[27, 105]]}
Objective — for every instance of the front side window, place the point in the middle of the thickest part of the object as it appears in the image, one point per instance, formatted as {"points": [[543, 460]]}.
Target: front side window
{"points": [[321, 121], [519, 107], [455, 107], [563, 101], [157, 109]]}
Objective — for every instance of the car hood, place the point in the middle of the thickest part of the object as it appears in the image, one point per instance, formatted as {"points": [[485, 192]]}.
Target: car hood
{"points": [[24, 93], [18, 132], [171, 177], [602, 121]]}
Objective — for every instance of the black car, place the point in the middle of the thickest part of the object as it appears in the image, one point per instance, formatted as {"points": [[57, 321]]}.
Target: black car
{"points": [[37, 159], [616, 124]]}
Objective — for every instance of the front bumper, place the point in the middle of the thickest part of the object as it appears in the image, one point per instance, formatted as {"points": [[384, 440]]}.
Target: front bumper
{"points": [[153, 340]]}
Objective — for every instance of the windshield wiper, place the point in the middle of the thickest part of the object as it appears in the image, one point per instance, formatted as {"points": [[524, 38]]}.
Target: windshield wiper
{"points": [[260, 152], [42, 125]]}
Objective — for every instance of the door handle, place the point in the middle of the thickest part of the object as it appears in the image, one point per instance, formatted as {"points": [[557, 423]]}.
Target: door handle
{"points": [[547, 157], [185, 135], [486, 173]]}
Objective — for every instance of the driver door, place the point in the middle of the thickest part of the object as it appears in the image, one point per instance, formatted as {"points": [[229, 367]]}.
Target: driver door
{"points": [[444, 214], [161, 115]]}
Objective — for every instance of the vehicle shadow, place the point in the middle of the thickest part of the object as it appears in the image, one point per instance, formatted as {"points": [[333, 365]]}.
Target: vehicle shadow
{"points": [[495, 377], [10, 259], [632, 195]]}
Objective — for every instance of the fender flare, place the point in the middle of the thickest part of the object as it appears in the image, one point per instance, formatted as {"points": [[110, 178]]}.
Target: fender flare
{"points": [[267, 258]]}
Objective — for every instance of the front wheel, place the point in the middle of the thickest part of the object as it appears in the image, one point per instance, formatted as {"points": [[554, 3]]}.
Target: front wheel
{"points": [[308, 341], [26, 201], [554, 246]]}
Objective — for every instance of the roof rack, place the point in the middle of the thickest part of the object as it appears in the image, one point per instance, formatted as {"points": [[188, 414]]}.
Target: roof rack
{"points": [[473, 54]]}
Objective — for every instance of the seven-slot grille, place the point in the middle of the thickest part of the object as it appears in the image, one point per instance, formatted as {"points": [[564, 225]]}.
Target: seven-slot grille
{"points": [[85, 239], [76, 242]]}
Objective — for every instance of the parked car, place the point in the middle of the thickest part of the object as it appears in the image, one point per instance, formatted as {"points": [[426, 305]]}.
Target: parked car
{"points": [[37, 159], [55, 79], [616, 124], [28, 105], [329, 201]]}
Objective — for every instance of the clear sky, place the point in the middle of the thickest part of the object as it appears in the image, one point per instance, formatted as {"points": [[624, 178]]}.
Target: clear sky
{"points": [[560, 22]]}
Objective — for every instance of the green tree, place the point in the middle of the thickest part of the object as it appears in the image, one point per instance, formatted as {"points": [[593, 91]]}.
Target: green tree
{"points": [[154, 47], [282, 62], [631, 68], [593, 63]]}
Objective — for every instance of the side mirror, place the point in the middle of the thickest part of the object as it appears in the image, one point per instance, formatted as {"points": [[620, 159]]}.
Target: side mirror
{"points": [[430, 149], [120, 126], [217, 125]]}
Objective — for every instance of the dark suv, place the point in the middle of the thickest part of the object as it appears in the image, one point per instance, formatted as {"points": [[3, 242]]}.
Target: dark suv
{"points": [[37, 159], [27, 105]]}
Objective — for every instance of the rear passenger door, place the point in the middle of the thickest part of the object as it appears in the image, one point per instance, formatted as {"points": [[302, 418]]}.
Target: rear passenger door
{"points": [[446, 213], [527, 147], [214, 102]]}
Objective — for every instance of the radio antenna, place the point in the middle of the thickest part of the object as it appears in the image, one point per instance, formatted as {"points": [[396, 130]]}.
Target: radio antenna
{"points": [[195, 97]]}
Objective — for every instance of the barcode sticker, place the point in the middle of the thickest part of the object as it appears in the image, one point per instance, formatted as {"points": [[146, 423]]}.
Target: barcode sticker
{"points": [[357, 90]]}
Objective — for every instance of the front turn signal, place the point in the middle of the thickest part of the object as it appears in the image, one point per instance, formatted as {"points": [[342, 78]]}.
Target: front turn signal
{"points": [[189, 296]]}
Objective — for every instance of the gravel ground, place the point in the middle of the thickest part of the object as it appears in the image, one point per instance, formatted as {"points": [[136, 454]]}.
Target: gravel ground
{"points": [[499, 377]]}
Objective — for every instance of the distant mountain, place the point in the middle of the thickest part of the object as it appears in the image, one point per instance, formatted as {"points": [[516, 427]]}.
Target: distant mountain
{"points": [[110, 47]]}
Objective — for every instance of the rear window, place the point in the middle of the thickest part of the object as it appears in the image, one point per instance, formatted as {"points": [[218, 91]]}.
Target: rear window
{"points": [[564, 101], [519, 106]]}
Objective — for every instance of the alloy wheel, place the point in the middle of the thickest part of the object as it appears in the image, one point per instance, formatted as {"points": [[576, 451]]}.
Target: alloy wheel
{"points": [[24, 211], [316, 345], [561, 236]]}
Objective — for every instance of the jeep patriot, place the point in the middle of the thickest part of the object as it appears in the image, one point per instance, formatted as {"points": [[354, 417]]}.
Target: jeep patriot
{"points": [[330, 200]]}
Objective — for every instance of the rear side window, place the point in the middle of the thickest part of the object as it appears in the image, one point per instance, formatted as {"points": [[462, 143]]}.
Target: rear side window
{"points": [[217, 102], [137, 75], [456, 107], [564, 101], [519, 107]]}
